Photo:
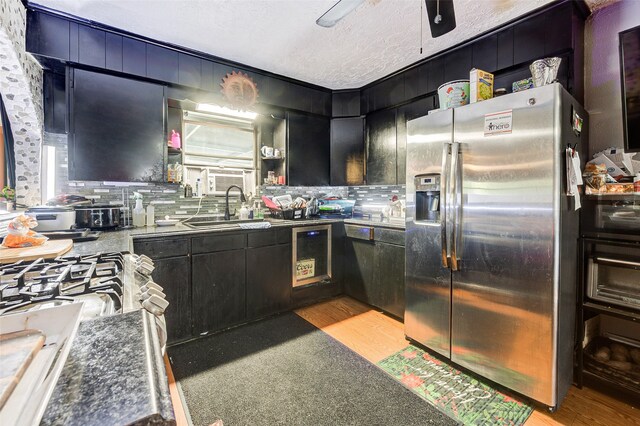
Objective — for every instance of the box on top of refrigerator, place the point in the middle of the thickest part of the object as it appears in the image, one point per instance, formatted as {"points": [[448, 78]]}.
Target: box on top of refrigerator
{"points": [[481, 85]]}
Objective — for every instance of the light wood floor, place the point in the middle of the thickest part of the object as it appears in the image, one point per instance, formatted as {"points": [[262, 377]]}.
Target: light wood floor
{"points": [[375, 336]]}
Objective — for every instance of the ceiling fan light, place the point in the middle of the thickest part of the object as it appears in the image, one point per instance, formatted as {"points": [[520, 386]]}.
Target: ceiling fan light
{"points": [[338, 11]]}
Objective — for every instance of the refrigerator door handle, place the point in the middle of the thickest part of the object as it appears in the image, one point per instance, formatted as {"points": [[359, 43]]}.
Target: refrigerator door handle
{"points": [[456, 203], [444, 200]]}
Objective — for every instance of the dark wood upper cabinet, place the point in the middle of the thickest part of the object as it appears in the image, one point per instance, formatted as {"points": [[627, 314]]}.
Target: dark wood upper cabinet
{"points": [[346, 103], [55, 102], [47, 35], [113, 52], [189, 70], [206, 77], [116, 129], [91, 46], [415, 81], [558, 34], [134, 57], [162, 63], [528, 39], [457, 64], [485, 53], [436, 74], [347, 151], [505, 49], [308, 150], [381, 147]]}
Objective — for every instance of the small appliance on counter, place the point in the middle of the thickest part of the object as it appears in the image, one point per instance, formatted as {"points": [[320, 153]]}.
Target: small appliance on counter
{"points": [[53, 218], [98, 216]]}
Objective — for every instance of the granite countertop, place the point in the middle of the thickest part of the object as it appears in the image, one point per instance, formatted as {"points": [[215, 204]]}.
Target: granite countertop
{"points": [[113, 376], [120, 240]]}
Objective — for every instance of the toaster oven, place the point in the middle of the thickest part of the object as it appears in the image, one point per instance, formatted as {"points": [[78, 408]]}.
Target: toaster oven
{"points": [[615, 279]]}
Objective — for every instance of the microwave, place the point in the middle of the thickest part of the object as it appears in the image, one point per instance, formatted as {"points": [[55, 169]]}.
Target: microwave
{"points": [[614, 279]]}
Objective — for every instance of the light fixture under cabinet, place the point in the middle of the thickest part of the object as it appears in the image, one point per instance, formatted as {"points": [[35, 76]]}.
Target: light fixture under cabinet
{"points": [[220, 110]]}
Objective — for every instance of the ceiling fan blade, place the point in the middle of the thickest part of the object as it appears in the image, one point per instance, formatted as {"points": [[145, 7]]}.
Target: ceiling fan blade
{"points": [[447, 20], [338, 11]]}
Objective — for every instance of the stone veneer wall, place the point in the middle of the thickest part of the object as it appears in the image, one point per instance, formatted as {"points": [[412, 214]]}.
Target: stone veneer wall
{"points": [[21, 90]]}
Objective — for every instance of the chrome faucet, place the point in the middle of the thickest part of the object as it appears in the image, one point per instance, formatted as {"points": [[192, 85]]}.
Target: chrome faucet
{"points": [[227, 216]]}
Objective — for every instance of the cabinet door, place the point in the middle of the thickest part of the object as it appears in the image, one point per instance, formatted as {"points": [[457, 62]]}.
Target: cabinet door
{"points": [[172, 274], [405, 113], [388, 278], [55, 102], [47, 35], [117, 129], [347, 151], [308, 149], [528, 39], [381, 147], [218, 290], [268, 280], [358, 269]]}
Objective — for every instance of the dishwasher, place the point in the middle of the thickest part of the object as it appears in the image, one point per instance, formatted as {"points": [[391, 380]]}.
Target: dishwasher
{"points": [[311, 250]]}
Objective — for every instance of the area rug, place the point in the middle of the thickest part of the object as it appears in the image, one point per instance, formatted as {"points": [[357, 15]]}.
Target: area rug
{"points": [[460, 395], [285, 371]]}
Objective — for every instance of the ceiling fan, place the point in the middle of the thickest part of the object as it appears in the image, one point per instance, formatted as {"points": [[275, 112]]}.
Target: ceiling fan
{"points": [[441, 15]]}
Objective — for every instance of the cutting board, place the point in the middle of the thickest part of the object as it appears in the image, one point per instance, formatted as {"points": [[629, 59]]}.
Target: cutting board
{"points": [[16, 352], [49, 250]]}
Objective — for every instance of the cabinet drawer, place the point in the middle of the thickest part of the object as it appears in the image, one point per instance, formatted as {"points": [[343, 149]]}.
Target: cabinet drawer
{"points": [[218, 242], [158, 249], [359, 232], [391, 236], [262, 238], [284, 236]]}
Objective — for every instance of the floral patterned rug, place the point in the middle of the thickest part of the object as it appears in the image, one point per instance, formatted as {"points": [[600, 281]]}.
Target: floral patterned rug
{"points": [[455, 393]]}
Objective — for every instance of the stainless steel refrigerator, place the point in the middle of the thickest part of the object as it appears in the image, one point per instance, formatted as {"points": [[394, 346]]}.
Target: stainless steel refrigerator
{"points": [[492, 238]]}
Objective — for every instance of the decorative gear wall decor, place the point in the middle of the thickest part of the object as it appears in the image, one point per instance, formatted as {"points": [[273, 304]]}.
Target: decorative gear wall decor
{"points": [[239, 90]]}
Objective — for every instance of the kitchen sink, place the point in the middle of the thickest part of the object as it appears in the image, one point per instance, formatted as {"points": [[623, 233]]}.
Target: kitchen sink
{"points": [[197, 223]]}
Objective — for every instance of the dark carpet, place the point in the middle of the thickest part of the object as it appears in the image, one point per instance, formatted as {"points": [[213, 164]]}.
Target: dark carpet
{"points": [[283, 370]]}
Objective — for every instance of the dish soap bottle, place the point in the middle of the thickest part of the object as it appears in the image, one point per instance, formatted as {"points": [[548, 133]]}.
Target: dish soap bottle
{"points": [[151, 215], [138, 210], [244, 212]]}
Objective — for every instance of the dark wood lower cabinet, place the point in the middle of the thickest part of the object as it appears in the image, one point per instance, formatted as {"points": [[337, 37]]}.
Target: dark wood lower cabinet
{"points": [[219, 293], [374, 274], [388, 278], [358, 273], [173, 275], [268, 280]]}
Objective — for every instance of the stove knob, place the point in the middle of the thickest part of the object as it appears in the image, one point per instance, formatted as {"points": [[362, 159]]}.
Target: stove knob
{"points": [[156, 305], [150, 284], [145, 268], [152, 292]]}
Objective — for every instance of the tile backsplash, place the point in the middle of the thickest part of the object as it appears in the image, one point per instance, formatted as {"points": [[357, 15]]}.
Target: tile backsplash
{"points": [[169, 200], [371, 199]]}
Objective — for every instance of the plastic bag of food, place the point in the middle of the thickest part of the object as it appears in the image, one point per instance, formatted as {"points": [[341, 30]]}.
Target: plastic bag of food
{"points": [[19, 233]]}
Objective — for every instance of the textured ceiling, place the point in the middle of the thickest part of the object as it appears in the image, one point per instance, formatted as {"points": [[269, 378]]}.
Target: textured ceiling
{"points": [[378, 38]]}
